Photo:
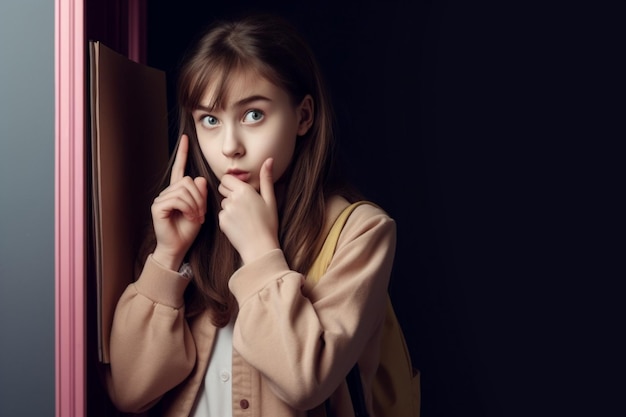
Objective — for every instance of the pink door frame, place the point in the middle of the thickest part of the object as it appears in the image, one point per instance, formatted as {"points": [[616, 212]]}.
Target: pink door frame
{"points": [[70, 195]]}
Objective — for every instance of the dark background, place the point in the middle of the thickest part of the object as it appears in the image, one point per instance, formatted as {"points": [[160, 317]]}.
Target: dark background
{"points": [[489, 132]]}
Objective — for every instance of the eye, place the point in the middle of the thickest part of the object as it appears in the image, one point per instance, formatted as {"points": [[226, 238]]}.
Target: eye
{"points": [[253, 116], [209, 121]]}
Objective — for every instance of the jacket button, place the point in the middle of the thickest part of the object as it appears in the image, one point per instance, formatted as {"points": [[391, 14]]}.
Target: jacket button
{"points": [[244, 404]]}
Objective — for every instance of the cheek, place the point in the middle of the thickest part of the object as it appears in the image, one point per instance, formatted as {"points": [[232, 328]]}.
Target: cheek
{"points": [[283, 155], [209, 155]]}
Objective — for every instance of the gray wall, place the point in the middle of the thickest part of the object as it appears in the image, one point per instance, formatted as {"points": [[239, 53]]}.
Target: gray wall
{"points": [[27, 208]]}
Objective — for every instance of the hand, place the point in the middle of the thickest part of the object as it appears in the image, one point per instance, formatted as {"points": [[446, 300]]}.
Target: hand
{"points": [[250, 219], [178, 212]]}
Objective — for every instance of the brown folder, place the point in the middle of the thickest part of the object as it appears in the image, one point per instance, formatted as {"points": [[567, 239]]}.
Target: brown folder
{"points": [[129, 152]]}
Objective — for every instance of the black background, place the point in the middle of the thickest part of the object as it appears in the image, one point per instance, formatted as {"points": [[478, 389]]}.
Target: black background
{"points": [[490, 132]]}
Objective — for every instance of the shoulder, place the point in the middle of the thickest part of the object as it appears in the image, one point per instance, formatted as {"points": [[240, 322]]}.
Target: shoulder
{"points": [[336, 204], [366, 218]]}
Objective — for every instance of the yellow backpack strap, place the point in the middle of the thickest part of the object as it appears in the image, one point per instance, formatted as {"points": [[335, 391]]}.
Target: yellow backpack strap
{"points": [[320, 264]]}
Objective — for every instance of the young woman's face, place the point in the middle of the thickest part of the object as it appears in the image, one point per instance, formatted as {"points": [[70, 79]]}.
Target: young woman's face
{"points": [[256, 121]]}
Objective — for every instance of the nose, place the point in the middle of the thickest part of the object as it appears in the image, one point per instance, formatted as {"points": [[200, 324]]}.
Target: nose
{"points": [[232, 147]]}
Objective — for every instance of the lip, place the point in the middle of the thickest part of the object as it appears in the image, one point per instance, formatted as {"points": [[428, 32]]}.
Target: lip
{"points": [[239, 174]]}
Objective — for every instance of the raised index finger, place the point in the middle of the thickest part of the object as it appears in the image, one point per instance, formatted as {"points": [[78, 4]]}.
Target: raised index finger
{"points": [[178, 168]]}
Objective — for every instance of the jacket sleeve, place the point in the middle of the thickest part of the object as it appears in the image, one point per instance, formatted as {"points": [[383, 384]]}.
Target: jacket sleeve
{"points": [[151, 347], [304, 342]]}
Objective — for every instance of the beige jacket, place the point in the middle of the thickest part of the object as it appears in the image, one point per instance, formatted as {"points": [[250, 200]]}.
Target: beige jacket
{"points": [[293, 344]]}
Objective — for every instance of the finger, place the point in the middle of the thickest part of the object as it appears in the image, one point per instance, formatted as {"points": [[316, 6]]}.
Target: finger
{"points": [[166, 207], [195, 191], [266, 182], [186, 196], [201, 185], [223, 190], [227, 185], [180, 161]]}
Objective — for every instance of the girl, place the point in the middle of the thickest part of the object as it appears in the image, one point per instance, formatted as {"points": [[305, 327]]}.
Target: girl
{"points": [[222, 321]]}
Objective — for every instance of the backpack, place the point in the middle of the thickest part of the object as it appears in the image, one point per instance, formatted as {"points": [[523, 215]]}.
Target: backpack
{"points": [[396, 386]]}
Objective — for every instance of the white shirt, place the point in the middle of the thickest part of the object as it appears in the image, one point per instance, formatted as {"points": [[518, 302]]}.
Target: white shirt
{"points": [[215, 396]]}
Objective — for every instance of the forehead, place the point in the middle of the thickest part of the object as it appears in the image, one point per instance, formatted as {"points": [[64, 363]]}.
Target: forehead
{"points": [[237, 85]]}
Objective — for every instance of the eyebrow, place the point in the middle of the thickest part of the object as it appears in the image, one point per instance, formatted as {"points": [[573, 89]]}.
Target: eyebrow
{"points": [[239, 103]]}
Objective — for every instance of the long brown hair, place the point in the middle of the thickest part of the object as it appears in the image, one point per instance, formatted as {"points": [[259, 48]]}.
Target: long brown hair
{"points": [[272, 47]]}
